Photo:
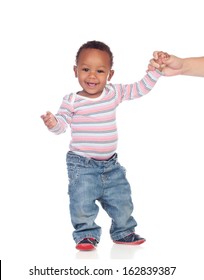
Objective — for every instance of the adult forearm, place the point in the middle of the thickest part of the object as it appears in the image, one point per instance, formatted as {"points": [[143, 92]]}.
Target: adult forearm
{"points": [[193, 66]]}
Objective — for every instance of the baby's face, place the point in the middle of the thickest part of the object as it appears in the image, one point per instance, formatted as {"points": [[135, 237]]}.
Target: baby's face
{"points": [[93, 70]]}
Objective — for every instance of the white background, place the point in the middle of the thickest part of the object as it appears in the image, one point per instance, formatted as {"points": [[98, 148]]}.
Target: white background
{"points": [[161, 135]]}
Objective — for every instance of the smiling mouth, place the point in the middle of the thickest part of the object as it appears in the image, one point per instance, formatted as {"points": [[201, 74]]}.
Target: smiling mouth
{"points": [[92, 85]]}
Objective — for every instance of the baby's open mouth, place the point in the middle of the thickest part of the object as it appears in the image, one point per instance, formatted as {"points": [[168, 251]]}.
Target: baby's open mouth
{"points": [[91, 84]]}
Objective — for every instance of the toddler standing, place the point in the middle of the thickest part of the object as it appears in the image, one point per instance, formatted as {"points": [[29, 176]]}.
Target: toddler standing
{"points": [[92, 163]]}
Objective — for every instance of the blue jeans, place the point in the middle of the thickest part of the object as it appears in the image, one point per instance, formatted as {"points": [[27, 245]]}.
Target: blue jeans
{"points": [[104, 181]]}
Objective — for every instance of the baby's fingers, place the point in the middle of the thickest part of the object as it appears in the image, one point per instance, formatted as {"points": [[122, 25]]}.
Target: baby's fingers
{"points": [[46, 116], [154, 63], [156, 54]]}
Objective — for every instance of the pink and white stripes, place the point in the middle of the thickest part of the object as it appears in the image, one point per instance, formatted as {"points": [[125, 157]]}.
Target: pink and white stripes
{"points": [[93, 120]]}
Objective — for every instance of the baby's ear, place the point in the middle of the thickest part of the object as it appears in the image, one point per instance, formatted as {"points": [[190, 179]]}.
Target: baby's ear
{"points": [[75, 70], [110, 75]]}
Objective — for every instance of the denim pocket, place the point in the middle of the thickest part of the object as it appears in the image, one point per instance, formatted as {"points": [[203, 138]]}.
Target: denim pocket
{"points": [[72, 171]]}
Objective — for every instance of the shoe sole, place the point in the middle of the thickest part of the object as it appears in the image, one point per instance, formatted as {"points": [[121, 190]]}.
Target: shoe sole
{"points": [[138, 242], [85, 247]]}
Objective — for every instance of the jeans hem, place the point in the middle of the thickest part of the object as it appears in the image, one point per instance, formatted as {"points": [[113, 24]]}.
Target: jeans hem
{"points": [[122, 235], [77, 240]]}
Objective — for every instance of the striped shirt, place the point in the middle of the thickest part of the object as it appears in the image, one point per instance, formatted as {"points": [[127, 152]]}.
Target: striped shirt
{"points": [[93, 120]]}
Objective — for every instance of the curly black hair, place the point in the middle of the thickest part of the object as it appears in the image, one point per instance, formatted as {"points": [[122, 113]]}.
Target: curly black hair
{"points": [[98, 46]]}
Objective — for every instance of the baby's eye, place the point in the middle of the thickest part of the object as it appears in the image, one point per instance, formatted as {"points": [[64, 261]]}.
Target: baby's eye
{"points": [[85, 69], [100, 71]]}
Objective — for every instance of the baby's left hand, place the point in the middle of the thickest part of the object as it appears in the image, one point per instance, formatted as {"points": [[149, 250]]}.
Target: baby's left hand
{"points": [[158, 61], [162, 56]]}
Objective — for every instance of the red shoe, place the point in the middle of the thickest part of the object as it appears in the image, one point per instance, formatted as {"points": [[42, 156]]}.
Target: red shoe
{"points": [[87, 244], [132, 239]]}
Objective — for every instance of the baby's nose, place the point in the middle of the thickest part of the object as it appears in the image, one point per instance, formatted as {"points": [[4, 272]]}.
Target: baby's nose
{"points": [[92, 74]]}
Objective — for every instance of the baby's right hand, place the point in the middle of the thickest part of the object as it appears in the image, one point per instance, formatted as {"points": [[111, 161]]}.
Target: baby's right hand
{"points": [[49, 120]]}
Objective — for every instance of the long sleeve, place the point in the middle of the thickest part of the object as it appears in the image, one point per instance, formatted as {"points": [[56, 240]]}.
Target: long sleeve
{"points": [[137, 89], [64, 115]]}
